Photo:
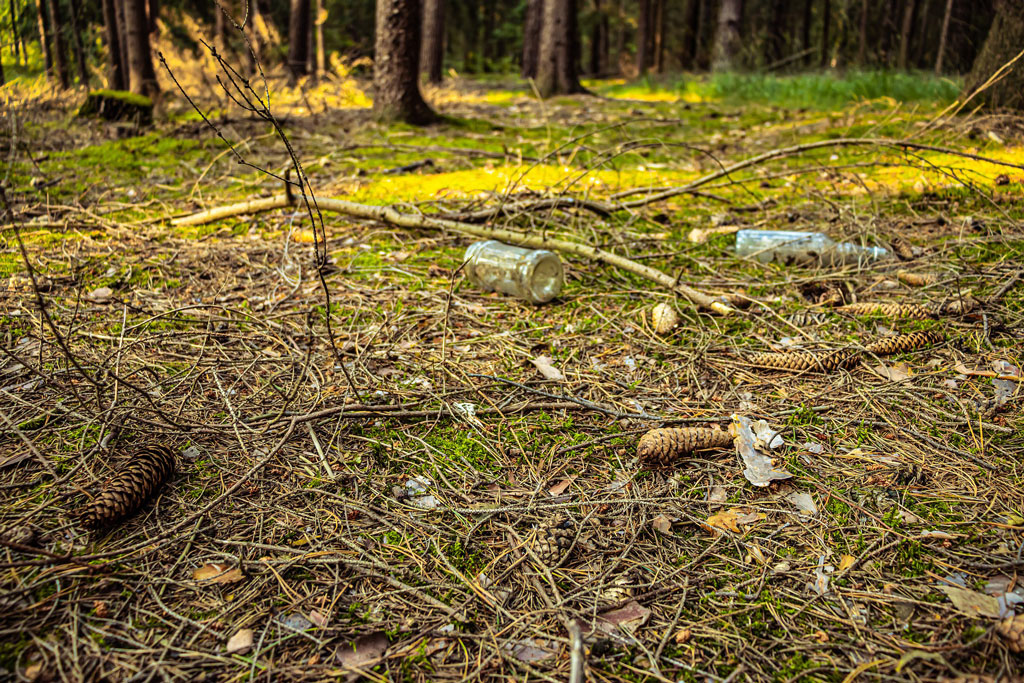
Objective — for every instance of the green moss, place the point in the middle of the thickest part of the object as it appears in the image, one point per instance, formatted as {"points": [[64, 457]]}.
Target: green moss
{"points": [[124, 96]]}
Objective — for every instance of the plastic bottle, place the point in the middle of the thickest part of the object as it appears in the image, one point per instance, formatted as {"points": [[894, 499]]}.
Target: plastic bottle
{"points": [[789, 247], [534, 275]]}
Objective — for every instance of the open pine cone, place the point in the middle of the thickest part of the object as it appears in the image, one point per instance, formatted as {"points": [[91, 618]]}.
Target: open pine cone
{"points": [[553, 539], [1012, 630], [137, 480]]}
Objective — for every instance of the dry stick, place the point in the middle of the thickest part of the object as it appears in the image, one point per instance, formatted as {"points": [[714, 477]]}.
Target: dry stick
{"points": [[390, 216]]}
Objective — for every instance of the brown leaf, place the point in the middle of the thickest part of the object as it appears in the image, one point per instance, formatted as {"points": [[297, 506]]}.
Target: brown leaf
{"points": [[544, 365], [628, 618], [895, 373], [662, 524], [218, 573], [972, 603], [241, 642], [362, 651], [559, 488]]}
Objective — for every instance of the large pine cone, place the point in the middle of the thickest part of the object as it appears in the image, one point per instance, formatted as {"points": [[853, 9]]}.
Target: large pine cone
{"points": [[552, 540], [662, 446], [123, 495], [800, 361], [901, 343], [1012, 630], [888, 310]]}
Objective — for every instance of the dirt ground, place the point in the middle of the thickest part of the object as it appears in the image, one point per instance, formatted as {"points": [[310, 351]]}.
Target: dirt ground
{"points": [[401, 526]]}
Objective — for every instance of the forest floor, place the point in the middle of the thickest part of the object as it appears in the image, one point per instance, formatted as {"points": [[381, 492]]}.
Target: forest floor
{"points": [[307, 536]]}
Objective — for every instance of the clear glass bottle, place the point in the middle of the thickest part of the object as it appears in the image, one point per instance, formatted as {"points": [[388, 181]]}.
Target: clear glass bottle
{"points": [[791, 247], [534, 275]]}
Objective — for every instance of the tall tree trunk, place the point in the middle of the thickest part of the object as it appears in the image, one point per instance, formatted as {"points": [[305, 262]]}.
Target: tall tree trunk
{"points": [[16, 32], [557, 66], [826, 20], [253, 24], [1004, 43], [700, 59], [727, 37], [122, 33], [595, 40], [396, 77], [220, 29], [620, 38], [44, 37], [531, 37], [60, 54], [298, 38], [943, 33], [432, 50], [805, 33], [686, 48], [659, 36], [862, 44], [310, 47], [141, 76], [153, 15], [76, 42], [318, 24], [776, 32], [906, 31], [643, 37], [117, 80]]}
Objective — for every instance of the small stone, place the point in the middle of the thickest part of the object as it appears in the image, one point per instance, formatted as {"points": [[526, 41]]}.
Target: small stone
{"points": [[241, 642]]}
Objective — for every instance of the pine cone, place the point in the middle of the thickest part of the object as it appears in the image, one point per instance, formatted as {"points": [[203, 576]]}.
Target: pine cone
{"points": [[801, 361], [662, 446], [902, 248], [1012, 629], [139, 479], [664, 319], [901, 343], [552, 540], [888, 310], [916, 279]]}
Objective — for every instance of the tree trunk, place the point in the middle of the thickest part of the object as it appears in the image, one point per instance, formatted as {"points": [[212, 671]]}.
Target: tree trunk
{"points": [[153, 15], [643, 37], [220, 29], [826, 20], [396, 77], [597, 40], [122, 33], [252, 28], [1003, 44], [686, 48], [117, 81], [805, 34], [727, 37], [776, 32], [298, 38], [862, 44], [906, 31], [531, 37], [60, 55], [44, 37], [557, 68], [943, 33], [310, 47], [700, 60], [318, 27], [659, 36], [620, 38], [16, 32], [432, 50], [76, 42], [141, 76]]}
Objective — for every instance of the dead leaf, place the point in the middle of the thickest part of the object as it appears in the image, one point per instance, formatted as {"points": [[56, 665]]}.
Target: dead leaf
{"points": [[846, 561], [683, 636], [304, 236], [803, 502], [759, 469], [559, 488], [543, 364], [101, 295], [724, 520], [628, 618], [218, 573], [972, 603], [895, 373], [362, 651], [662, 524], [530, 650], [241, 642], [717, 495], [318, 618]]}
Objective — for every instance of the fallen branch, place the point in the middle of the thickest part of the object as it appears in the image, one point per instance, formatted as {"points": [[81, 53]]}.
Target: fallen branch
{"points": [[388, 215]]}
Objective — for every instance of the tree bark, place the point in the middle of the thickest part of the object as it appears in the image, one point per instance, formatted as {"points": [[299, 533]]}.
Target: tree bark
{"points": [[141, 76], [862, 44], [700, 60], [16, 32], [531, 37], [396, 81], [643, 37], [153, 15], [76, 42], [44, 37], [826, 20], [776, 32], [432, 50], [122, 34], [727, 37], [557, 67], [60, 55], [659, 36], [117, 80], [298, 38], [318, 27], [220, 30], [598, 41], [906, 31], [805, 36], [1004, 43], [943, 33]]}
